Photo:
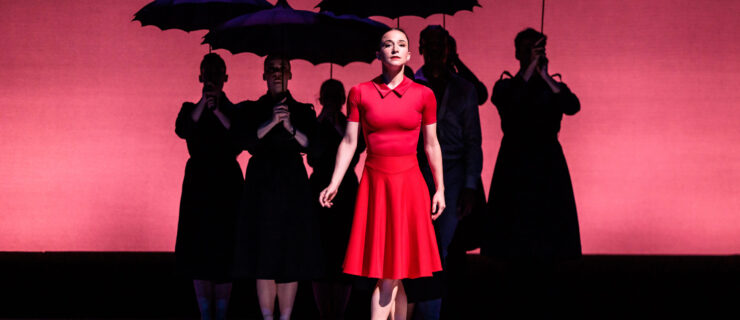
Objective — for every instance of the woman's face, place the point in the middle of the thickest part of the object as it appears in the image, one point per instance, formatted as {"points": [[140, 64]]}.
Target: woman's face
{"points": [[213, 78], [332, 101], [524, 50], [394, 49], [276, 74]]}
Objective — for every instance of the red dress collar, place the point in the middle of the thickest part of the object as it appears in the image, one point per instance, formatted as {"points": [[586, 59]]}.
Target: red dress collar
{"points": [[399, 90]]}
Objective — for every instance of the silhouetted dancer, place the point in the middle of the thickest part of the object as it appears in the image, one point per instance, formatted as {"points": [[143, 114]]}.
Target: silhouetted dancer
{"points": [[332, 291], [459, 134], [392, 235], [278, 237], [210, 191], [458, 67], [532, 210]]}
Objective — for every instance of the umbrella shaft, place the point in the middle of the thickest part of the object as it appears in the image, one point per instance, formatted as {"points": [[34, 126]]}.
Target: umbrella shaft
{"points": [[542, 21]]}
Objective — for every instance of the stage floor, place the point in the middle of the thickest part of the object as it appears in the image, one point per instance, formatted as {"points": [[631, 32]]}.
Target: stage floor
{"points": [[126, 285]]}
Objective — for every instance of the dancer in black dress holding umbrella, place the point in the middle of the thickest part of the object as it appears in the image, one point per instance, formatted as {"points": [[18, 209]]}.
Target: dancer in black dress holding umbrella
{"points": [[210, 191], [531, 199], [533, 221], [278, 237]]}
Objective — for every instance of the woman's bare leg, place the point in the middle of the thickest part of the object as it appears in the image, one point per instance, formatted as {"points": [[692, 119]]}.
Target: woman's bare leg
{"points": [[322, 294], [266, 293], [383, 298], [203, 295], [341, 297], [331, 298], [400, 303], [410, 311], [286, 296], [221, 296]]}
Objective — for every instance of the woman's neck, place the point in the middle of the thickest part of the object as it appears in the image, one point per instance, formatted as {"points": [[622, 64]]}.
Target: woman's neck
{"points": [[392, 78], [330, 113]]}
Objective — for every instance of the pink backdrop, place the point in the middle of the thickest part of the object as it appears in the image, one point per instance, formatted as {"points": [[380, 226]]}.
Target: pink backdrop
{"points": [[89, 159]]}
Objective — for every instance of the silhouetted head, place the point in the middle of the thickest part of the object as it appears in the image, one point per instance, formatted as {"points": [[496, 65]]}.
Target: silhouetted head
{"points": [[331, 95], [451, 45], [213, 72], [525, 41], [394, 49], [276, 73], [434, 45], [451, 53]]}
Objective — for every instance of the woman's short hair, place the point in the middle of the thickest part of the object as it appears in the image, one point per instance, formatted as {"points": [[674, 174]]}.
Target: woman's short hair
{"points": [[212, 60], [530, 35], [332, 88]]}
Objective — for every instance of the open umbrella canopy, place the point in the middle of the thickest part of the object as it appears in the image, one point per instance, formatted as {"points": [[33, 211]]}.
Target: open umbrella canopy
{"points": [[396, 8], [192, 15], [299, 34]]}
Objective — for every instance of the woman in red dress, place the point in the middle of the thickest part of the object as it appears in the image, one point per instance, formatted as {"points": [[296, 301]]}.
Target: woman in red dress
{"points": [[392, 235]]}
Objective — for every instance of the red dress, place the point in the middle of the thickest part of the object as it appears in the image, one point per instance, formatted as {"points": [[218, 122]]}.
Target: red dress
{"points": [[392, 234]]}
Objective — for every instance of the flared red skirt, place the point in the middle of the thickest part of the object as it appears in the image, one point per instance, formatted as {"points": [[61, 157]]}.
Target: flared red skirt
{"points": [[392, 234]]}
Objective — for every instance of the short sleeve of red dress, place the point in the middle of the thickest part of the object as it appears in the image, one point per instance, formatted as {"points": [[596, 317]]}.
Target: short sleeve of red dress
{"points": [[429, 107], [353, 101]]}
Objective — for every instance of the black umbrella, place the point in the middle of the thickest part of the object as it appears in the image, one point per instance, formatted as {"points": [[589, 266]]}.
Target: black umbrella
{"points": [[192, 15], [299, 34], [394, 9]]}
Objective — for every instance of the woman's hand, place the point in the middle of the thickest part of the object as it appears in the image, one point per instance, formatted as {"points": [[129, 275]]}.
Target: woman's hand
{"points": [[279, 112], [345, 152], [327, 195], [438, 204], [210, 95], [537, 51], [434, 154], [542, 63], [286, 120]]}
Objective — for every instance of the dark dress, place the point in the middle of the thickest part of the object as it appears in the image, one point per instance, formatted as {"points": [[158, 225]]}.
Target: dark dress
{"points": [[211, 191], [532, 210], [277, 229], [335, 222]]}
